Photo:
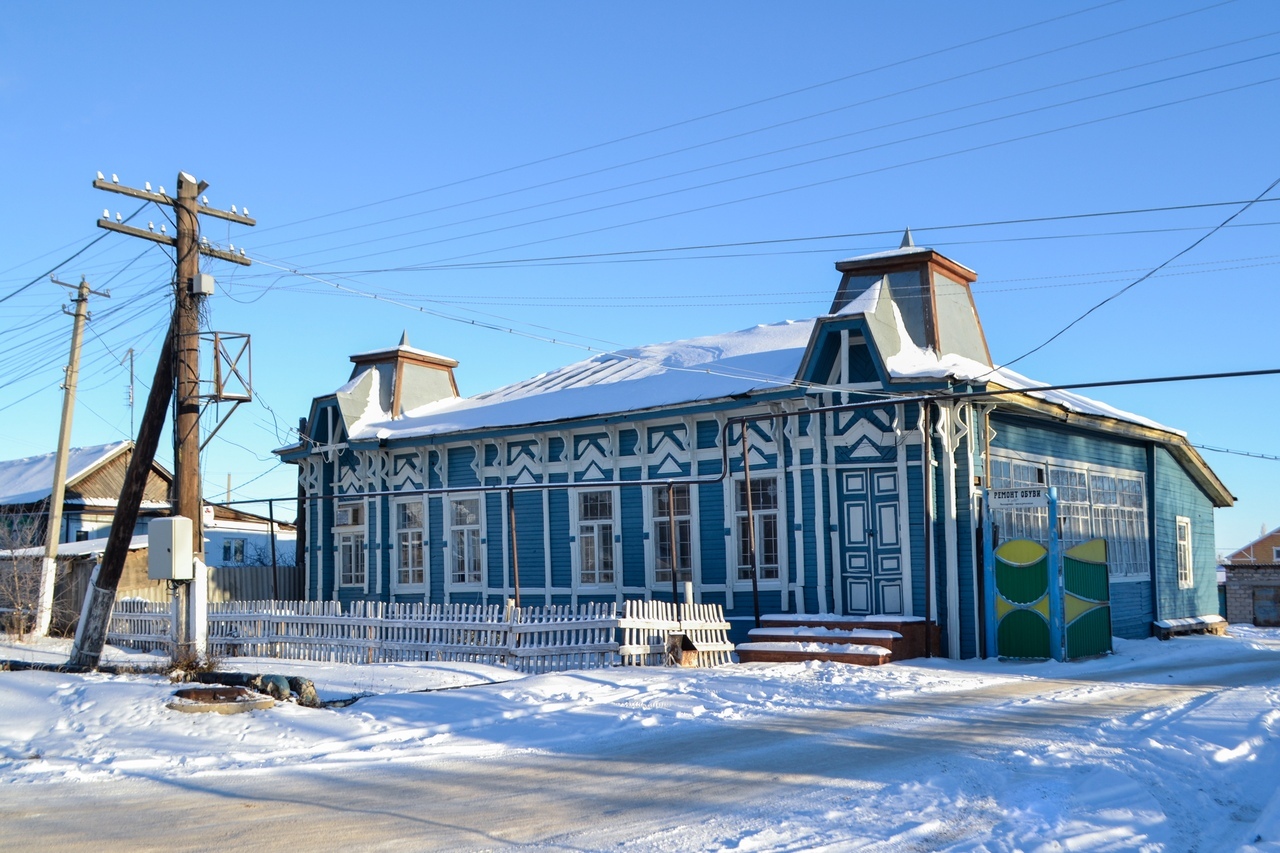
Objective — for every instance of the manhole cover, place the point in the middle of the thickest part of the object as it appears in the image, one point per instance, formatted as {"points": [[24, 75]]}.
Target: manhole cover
{"points": [[218, 700]]}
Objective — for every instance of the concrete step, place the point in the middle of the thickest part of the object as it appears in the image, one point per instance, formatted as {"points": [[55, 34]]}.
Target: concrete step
{"points": [[800, 652]]}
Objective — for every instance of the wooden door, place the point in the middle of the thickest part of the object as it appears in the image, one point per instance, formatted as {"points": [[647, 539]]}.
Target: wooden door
{"points": [[872, 574]]}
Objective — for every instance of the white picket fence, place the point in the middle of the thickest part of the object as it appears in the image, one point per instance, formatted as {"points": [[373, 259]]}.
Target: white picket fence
{"points": [[143, 625], [529, 639]]}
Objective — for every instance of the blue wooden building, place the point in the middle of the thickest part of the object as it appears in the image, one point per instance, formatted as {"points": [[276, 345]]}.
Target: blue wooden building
{"points": [[865, 450]]}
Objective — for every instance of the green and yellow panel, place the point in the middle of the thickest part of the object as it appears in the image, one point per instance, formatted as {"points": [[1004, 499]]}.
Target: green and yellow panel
{"points": [[1022, 600], [1087, 600]]}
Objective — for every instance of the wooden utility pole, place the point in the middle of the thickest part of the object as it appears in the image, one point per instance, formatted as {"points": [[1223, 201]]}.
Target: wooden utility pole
{"points": [[180, 366], [95, 615], [49, 568], [186, 317]]}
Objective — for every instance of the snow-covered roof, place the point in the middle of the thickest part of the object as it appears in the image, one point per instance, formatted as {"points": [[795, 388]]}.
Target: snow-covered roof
{"points": [[24, 481], [645, 377], [891, 253], [83, 548], [404, 349], [900, 252], [689, 371]]}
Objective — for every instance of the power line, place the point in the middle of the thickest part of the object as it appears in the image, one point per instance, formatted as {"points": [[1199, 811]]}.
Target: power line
{"points": [[725, 111], [743, 134], [1143, 277], [929, 134], [894, 232], [800, 187], [67, 260]]}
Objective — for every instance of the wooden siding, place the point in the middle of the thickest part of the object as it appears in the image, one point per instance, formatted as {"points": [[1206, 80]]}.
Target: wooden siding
{"points": [[808, 539], [916, 527], [460, 471], [1131, 613], [529, 538], [561, 547], [711, 526], [435, 562], [107, 481], [1045, 438], [1176, 494]]}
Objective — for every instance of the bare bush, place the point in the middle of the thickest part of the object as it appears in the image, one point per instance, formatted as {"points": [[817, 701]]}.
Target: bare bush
{"points": [[21, 559]]}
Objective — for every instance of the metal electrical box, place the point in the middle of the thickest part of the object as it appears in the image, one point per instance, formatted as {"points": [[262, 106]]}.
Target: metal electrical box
{"points": [[169, 552], [202, 284]]}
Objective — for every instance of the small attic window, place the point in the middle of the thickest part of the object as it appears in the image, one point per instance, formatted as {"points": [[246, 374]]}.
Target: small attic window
{"points": [[862, 368]]}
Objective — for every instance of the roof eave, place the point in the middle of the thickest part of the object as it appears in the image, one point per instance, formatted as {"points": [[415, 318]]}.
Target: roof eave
{"points": [[1177, 445]]}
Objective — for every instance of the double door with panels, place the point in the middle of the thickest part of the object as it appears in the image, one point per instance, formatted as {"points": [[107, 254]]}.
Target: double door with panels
{"points": [[872, 574]]}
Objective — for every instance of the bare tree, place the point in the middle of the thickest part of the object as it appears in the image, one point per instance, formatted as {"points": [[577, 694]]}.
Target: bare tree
{"points": [[21, 557]]}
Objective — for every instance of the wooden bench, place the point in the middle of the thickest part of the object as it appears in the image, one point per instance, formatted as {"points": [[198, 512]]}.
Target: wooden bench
{"points": [[1168, 628]]}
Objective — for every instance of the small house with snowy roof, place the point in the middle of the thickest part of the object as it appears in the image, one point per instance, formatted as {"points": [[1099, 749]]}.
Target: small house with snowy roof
{"points": [[831, 466], [93, 480]]}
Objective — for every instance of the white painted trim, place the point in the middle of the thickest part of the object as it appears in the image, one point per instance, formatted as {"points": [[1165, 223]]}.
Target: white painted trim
{"points": [[546, 539], [797, 508], [844, 356], [446, 509], [832, 519], [575, 545], [974, 498], [398, 588], [1190, 583], [821, 520], [946, 414], [904, 515]]}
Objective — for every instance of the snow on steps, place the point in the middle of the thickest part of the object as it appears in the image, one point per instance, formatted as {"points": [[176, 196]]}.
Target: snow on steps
{"points": [[799, 652], [911, 642], [829, 636]]}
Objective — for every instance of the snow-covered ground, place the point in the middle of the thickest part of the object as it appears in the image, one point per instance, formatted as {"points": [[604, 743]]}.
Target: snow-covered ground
{"points": [[1162, 746]]}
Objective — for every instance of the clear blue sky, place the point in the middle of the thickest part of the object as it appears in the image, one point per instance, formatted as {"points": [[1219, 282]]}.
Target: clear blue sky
{"points": [[366, 139]]}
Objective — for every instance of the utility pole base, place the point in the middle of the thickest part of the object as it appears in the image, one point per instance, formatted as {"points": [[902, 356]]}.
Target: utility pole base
{"points": [[91, 632]]}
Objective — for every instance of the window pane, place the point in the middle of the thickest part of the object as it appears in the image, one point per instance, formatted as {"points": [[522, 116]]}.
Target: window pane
{"points": [[764, 493], [408, 515], [466, 512], [680, 492], [595, 506]]}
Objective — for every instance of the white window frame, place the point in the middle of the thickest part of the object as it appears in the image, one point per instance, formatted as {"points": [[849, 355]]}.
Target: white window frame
{"points": [[1185, 553], [344, 536], [402, 537], [611, 547], [352, 543], [738, 565], [1134, 549], [226, 542], [475, 548], [656, 524], [1275, 553]]}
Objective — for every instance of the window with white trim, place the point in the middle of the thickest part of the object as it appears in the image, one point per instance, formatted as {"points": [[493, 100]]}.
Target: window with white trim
{"points": [[595, 538], [232, 552], [1120, 517], [764, 512], [464, 541], [1186, 575], [1093, 502], [662, 533], [409, 550], [351, 559], [1275, 553]]}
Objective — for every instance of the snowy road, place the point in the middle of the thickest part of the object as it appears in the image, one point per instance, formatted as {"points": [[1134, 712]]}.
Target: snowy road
{"points": [[1167, 752]]}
